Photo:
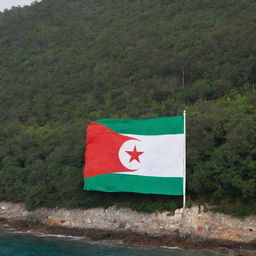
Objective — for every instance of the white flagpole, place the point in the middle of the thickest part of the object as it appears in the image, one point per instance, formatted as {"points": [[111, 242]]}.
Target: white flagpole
{"points": [[184, 162]]}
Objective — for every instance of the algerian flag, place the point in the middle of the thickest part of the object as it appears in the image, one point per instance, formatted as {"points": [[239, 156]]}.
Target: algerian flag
{"points": [[135, 155]]}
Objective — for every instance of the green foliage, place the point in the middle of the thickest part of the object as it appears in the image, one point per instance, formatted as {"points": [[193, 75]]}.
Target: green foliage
{"points": [[237, 208], [64, 63]]}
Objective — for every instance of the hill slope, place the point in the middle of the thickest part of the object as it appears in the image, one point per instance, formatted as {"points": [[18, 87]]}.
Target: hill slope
{"points": [[63, 63]]}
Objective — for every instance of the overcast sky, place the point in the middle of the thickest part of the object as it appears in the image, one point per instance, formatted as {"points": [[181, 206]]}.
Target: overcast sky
{"points": [[7, 4]]}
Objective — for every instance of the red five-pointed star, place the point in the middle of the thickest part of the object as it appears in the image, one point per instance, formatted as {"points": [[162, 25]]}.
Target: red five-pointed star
{"points": [[134, 154]]}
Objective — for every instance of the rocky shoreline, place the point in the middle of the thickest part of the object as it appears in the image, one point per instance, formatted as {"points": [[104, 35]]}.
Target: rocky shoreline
{"points": [[193, 229]]}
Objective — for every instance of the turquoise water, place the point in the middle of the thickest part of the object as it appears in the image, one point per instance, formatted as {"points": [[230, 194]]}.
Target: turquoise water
{"points": [[13, 244]]}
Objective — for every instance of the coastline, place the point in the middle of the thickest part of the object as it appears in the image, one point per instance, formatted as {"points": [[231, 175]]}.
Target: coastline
{"points": [[185, 232]]}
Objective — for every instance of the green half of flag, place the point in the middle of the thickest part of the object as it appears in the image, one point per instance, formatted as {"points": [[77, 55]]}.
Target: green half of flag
{"points": [[146, 126], [135, 183]]}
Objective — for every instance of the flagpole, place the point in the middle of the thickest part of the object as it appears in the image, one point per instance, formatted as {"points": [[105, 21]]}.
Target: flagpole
{"points": [[184, 163]]}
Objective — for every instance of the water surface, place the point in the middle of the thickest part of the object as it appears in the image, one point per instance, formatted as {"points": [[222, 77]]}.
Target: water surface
{"points": [[23, 244]]}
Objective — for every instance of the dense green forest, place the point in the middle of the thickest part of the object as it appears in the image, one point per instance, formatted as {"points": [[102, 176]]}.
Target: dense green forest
{"points": [[64, 63]]}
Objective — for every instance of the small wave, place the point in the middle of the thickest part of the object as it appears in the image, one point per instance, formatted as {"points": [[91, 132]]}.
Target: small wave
{"points": [[58, 236], [171, 248], [39, 234]]}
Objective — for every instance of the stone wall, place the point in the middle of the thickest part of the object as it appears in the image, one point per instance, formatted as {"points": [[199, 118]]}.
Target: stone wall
{"points": [[191, 223]]}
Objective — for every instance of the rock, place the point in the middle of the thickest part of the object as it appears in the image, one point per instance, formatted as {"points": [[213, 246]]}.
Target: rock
{"points": [[191, 223]]}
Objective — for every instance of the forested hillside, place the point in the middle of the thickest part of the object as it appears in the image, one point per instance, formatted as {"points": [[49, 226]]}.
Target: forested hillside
{"points": [[64, 63]]}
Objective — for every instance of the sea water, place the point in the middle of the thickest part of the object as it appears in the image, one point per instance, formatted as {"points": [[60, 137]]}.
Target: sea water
{"points": [[25, 244]]}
